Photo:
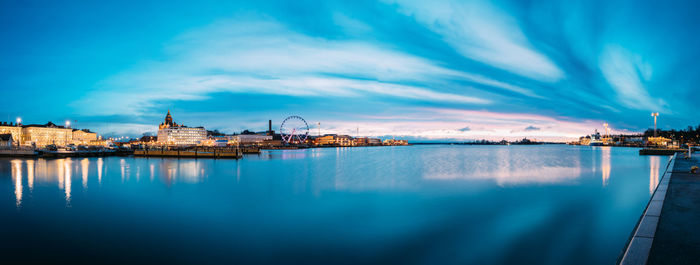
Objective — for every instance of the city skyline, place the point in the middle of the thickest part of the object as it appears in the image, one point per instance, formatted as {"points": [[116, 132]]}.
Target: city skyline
{"points": [[426, 71]]}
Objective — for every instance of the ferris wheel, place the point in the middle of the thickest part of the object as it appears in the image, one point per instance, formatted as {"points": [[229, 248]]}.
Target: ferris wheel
{"points": [[294, 130]]}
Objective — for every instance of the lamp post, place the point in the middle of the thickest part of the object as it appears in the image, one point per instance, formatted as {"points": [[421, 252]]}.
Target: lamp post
{"points": [[19, 141], [68, 134], [654, 114]]}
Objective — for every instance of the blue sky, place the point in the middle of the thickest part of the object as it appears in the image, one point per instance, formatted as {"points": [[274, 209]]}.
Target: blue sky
{"points": [[418, 69]]}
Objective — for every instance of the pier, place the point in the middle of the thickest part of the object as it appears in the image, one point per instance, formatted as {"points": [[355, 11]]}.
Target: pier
{"points": [[668, 231], [44, 153], [17, 153], [660, 151], [193, 153]]}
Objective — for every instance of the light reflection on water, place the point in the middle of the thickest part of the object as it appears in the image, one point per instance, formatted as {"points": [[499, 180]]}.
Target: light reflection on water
{"points": [[654, 171], [17, 179], [605, 164], [501, 166], [488, 200]]}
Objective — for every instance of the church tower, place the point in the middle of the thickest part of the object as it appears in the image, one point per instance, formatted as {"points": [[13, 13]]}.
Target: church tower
{"points": [[168, 119], [168, 122]]}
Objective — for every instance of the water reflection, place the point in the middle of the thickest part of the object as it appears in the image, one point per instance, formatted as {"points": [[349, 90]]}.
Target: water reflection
{"points": [[504, 165], [67, 178], [416, 191], [654, 164], [100, 163], [124, 167], [605, 164], [180, 170], [294, 154], [153, 171], [84, 165], [30, 174], [17, 179], [337, 169]]}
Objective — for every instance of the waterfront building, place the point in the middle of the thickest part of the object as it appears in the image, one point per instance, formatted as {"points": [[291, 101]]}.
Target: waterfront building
{"points": [[171, 133], [83, 137], [15, 130], [6, 140], [41, 135], [404, 142], [47, 134], [658, 141], [362, 141], [335, 139], [251, 139], [148, 140], [218, 141], [101, 142], [327, 139]]}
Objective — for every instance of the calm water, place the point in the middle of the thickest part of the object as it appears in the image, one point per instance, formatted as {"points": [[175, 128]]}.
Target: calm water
{"points": [[410, 205]]}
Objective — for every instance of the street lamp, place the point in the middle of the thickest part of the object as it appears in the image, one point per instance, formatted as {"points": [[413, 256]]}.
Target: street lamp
{"points": [[654, 114], [19, 120], [67, 124]]}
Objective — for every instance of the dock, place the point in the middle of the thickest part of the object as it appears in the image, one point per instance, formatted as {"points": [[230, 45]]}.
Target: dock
{"points": [[17, 153], [233, 153], [660, 151], [668, 231], [43, 153]]}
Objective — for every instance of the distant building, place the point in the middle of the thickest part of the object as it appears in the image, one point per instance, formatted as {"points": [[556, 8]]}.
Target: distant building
{"points": [[251, 139], [396, 142], [83, 137], [335, 140], [148, 139], [171, 133], [361, 141], [368, 141], [14, 129], [6, 140], [41, 135], [327, 139], [658, 141]]}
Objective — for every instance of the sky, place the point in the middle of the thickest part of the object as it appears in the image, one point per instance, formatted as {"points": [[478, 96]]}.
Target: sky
{"points": [[421, 70]]}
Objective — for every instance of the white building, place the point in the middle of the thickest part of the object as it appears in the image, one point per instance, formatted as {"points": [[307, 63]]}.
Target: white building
{"points": [[248, 139], [171, 133]]}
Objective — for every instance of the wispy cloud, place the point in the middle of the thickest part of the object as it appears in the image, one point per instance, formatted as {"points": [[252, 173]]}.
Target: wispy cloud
{"points": [[266, 58], [481, 32], [624, 72]]}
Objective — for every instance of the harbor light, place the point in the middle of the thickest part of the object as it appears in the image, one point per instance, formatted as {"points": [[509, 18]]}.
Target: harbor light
{"points": [[654, 114]]}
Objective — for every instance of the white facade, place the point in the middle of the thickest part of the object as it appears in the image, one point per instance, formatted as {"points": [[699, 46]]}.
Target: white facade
{"points": [[251, 138], [181, 135]]}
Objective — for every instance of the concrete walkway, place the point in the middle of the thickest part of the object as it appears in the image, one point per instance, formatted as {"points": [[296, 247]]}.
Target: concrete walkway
{"points": [[677, 237]]}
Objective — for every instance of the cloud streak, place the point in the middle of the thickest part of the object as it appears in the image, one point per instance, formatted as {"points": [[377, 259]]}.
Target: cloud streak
{"points": [[481, 32], [625, 72], [266, 58]]}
